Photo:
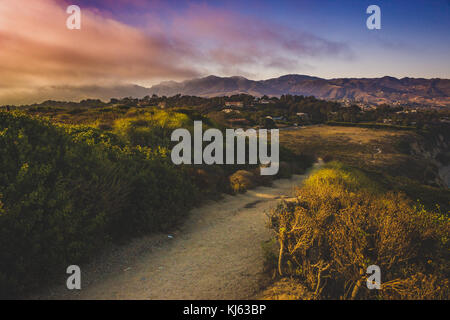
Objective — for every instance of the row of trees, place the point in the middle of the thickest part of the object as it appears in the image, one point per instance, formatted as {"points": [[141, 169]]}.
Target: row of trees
{"points": [[255, 109]]}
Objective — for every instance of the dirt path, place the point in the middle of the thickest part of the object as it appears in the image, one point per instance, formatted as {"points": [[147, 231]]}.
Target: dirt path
{"points": [[216, 254]]}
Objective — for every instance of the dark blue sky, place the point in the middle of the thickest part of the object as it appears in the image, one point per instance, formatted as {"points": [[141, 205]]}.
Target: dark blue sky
{"points": [[414, 39]]}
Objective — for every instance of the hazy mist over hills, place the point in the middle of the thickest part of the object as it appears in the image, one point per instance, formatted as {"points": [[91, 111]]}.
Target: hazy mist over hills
{"points": [[370, 90], [432, 92]]}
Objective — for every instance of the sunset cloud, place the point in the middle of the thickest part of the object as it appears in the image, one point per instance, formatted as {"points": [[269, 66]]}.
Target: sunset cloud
{"points": [[226, 38], [39, 54], [38, 49]]}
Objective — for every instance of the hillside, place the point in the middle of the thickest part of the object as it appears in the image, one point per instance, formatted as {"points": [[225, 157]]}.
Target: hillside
{"points": [[373, 91], [435, 92]]}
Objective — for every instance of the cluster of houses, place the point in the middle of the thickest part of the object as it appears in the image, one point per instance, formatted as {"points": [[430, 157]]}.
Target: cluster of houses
{"points": [[235, 104], [301, 117], [240, 104], [235, 107]]}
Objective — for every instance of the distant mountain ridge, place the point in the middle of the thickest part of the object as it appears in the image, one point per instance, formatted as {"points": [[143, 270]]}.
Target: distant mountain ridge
{"points": [[373, 91], [433, 92]]}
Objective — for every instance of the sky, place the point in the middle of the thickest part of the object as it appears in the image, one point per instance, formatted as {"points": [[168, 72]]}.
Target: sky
{"points": [[146, 42]]}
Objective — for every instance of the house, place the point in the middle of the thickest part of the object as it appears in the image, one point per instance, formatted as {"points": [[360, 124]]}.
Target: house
{"points": [[228, 110], [280, 118], [237, 104]]}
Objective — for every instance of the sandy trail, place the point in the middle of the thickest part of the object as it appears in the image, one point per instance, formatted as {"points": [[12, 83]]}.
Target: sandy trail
{"points": [[216, 254]]}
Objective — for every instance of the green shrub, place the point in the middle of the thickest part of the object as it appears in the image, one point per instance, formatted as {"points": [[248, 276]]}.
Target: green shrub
{"points": [[68, 190]]}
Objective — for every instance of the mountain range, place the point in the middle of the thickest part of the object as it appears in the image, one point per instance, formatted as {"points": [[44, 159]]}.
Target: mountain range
{"points": [[433, 92], [371, 91]]}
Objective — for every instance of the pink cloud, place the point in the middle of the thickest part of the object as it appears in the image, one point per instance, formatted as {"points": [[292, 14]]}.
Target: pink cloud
{"points": [[241, 37], [38, 51]]}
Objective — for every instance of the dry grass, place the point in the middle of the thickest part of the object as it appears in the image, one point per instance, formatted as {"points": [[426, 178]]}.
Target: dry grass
{"points": [[361, 147], [384, 155], [342, 222], [287, 289]]}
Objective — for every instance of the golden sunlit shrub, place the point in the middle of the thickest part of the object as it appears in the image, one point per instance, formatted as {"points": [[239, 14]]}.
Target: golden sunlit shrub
{"points": [[342, 222], [151, 128], [242, 181]]}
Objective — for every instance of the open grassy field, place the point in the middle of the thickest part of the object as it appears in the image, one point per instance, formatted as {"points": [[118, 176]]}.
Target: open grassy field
{"points": [[384, 155], [361, 147]]}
